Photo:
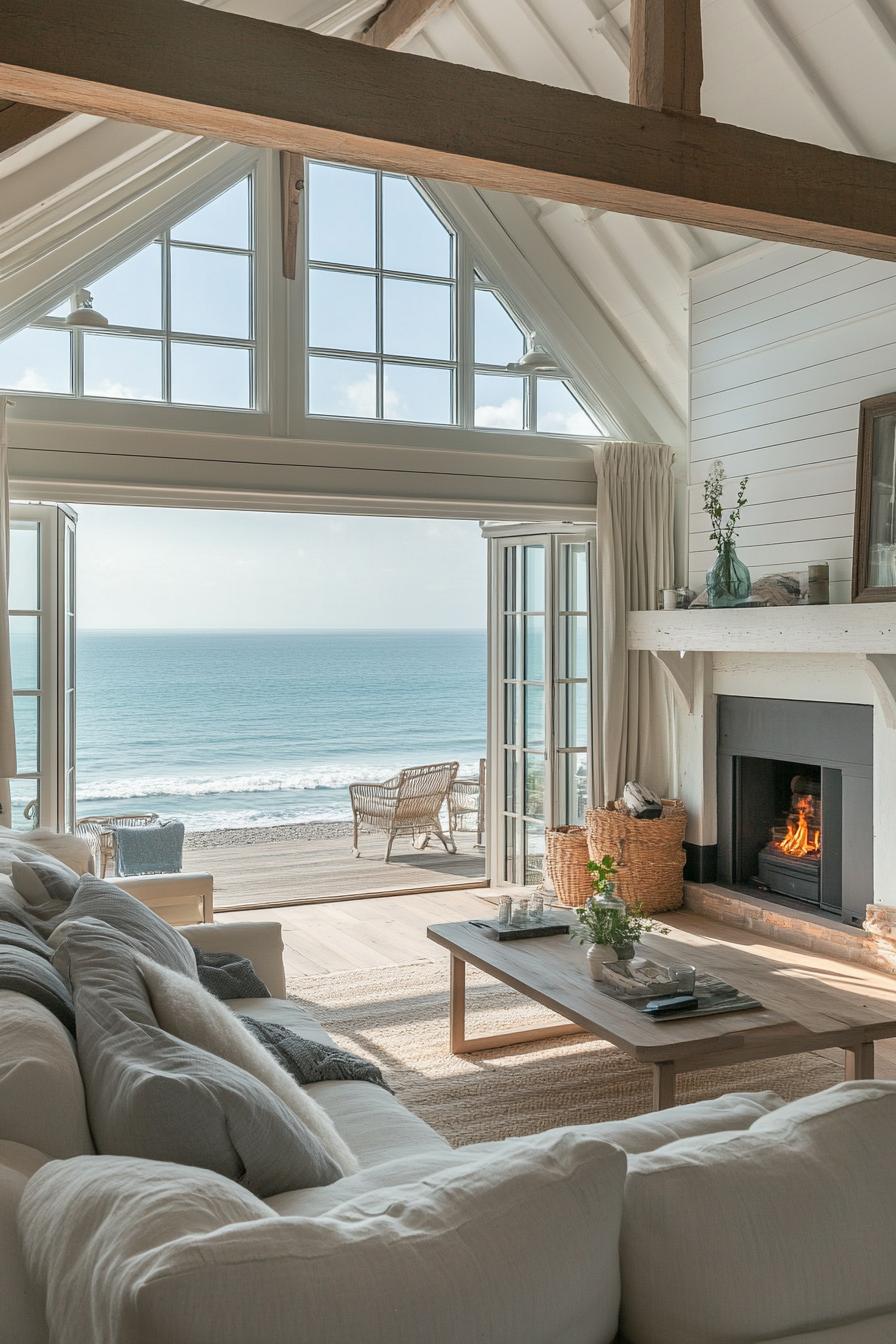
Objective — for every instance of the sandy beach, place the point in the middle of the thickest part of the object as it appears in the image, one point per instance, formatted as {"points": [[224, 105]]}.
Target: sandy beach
{"points": [[267, 835]]}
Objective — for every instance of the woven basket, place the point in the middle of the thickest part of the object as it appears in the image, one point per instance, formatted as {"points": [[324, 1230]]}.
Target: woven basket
{"points": [[648, 853], [567, 864]]}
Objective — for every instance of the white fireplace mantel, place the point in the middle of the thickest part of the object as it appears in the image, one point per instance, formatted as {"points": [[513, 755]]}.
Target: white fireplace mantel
{"points": [[866, 631]]}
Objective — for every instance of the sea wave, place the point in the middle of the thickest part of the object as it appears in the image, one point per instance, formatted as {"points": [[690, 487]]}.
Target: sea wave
{"points": [[299, 781]]}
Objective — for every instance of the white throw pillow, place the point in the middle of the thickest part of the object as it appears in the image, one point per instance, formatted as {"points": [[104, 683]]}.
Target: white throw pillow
{"points": [[785, 1228], [22, 1320], [41, 1092], [522, 1251], [185, 1010]]}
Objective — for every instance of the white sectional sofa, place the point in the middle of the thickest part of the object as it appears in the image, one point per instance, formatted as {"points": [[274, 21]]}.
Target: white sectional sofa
{"points": [[737, 1221]]}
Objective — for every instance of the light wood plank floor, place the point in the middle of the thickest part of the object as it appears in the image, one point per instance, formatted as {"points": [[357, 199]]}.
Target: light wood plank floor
{"points": [[384, 931], [297, 869]]}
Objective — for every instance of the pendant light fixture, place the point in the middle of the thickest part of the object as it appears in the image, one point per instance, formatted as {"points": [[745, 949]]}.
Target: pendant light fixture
{"points": [[83, 313], [535, 360]]}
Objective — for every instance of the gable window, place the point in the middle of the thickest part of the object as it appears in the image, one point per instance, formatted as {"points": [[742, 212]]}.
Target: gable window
{"points": [[402, 327], [181, 321], [381, 299]]}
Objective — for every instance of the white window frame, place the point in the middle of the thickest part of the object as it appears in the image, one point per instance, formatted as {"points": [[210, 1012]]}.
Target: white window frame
{"points": [[464, 284], [55, 778]]}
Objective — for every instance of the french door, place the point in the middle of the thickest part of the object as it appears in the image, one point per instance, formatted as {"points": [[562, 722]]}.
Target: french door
{"points": [[42, 636], [541, 693]]}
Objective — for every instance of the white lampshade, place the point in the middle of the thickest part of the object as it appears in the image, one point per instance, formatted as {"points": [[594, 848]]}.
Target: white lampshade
{"points": [[83, 313]]}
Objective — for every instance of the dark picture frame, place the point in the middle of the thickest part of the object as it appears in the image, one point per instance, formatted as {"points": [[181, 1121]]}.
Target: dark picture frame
{"points": [[872, 417]]}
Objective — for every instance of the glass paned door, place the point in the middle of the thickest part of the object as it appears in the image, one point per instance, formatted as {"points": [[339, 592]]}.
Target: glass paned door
{"points": [[541, 695], [42, 631]]}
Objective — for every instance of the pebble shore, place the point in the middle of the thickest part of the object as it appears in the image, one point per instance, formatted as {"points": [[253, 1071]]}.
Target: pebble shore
{"points": [[266, 835]]}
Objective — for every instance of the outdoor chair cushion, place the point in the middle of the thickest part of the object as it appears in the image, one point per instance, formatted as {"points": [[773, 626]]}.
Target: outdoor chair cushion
{"points": [[783, 1229], [448, 1258]]}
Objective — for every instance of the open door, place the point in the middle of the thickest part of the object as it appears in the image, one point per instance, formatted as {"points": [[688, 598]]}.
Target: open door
{"points": [[541, 692], [42, 630]]}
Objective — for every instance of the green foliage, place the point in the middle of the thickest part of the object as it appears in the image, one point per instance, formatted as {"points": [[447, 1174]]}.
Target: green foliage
{"points": [[722, 532], [599, 923]]}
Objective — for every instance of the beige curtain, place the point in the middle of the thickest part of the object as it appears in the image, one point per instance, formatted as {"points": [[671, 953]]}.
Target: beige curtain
{"points": [[635, 559], [7, 722]]}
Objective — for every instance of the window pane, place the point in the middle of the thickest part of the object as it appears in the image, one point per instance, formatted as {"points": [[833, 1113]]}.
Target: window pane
{"points": [[534, 648], [131, 294], [510, 781], [498, 338], [341, 387], [24, 566], [511, 646], [25, 714], [341, 215], [533, 867], [575, 577], [224, 222], [511, 692], [412, 392], [126, 367], [533, 802], [533, 571], [414, 238], [23, 638], [35, 360], [23, 793], [499, 402], [417, 319], [341, 310], [559, 411], [574, 646], [534, 716], [574, 715], [573, 777], [210, 293], [211, 375]]}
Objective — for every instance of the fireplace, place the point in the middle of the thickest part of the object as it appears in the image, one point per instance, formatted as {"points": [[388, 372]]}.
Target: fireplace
{"points": [[794, 800]]}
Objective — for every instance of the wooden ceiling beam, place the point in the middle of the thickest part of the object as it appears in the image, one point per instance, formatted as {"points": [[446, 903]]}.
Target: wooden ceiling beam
{"points": [[400, 21], [188, 68], [20, 122], [666, 60]]}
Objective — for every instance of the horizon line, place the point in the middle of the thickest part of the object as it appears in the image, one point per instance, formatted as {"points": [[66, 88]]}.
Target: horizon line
{"points": [[280, 629]]}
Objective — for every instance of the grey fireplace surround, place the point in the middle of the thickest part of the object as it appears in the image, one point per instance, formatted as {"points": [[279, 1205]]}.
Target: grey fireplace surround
{"points": [[836, 740]]}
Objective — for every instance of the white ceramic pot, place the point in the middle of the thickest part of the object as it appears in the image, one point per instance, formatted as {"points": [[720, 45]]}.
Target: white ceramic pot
{"points": [[596, 957]]}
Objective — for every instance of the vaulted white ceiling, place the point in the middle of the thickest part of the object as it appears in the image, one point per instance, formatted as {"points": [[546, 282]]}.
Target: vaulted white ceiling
{"points": [[815, 70]]}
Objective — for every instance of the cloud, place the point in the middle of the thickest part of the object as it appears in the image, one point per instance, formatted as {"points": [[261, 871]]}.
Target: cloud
{"points": [[566, 422], [509, 415], [32, 381]]}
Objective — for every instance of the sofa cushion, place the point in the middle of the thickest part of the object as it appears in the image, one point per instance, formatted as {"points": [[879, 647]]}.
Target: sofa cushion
{"points": [[478, 1252], [30, 973], [189, 1012], [21, 1305], [86, 1224], [41, 1092], [151, 1095], [784, 1228], [374, 1124], [29, 845], [46, 884], [146, 931]]}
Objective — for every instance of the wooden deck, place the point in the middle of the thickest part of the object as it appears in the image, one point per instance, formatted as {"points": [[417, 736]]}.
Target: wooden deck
{"points": [[284, 871]]}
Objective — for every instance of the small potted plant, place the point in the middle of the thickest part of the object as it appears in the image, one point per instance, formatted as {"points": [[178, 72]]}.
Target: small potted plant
{"points": [[607, 926]]}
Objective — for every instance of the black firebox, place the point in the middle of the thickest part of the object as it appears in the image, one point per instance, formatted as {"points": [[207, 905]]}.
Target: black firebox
{"points": [[795, 805]]}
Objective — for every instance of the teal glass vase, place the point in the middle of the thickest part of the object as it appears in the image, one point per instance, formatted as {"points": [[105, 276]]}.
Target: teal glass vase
{"points": [[728, 582]]}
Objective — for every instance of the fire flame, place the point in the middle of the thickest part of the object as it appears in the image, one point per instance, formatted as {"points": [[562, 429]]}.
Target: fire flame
{"points": [[802, 838]]}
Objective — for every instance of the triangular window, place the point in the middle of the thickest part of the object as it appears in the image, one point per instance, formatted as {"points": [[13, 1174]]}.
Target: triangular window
{"points": [[179, 319], [389, 288]]}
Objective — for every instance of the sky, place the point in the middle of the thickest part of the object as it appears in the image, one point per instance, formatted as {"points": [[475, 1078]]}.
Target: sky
{"points": [[192, 569]]}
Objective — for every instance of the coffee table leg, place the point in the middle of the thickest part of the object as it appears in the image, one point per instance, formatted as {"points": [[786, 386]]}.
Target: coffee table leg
{"points": [[663, 1085], [457, 1030], [859, 1061]]}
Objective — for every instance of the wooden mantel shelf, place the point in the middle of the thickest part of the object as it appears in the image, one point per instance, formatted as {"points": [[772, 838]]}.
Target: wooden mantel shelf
{"points": [[865, 630]]}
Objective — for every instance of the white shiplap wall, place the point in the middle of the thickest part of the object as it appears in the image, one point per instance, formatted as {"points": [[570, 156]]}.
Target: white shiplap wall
{"points": [[785, 343]]}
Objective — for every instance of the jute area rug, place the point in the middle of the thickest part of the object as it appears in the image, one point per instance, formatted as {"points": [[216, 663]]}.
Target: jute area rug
{"points": [[398, 1017]]}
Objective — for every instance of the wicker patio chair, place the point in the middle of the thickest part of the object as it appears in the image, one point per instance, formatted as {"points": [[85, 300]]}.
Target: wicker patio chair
{"points": [[100, 836], [407, 804], [466, 798]]}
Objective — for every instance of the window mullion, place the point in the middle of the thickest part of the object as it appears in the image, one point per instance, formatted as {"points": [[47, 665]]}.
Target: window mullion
{"points": [[166, 316]]}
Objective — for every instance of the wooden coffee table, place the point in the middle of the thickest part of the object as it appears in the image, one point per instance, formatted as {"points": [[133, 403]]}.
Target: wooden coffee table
{"points": [[809, 1002]]}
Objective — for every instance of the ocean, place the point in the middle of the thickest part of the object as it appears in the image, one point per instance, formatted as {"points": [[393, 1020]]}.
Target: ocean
{"points": [[261, 728]]}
